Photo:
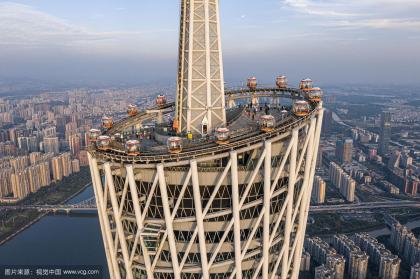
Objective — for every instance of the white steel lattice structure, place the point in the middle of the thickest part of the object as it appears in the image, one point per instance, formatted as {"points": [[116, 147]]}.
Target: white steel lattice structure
{"points": [[209, 210], [221, 218], [200, 93]]}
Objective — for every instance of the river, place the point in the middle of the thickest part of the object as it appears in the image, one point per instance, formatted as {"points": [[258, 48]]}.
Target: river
{"points": [[73, 239]]}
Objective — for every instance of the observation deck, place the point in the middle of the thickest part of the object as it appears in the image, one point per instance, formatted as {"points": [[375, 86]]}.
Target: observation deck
{"points": [[243, 122]]}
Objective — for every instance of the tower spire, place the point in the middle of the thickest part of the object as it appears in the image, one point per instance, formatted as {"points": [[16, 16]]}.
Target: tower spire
{"points": [[200, 105]]}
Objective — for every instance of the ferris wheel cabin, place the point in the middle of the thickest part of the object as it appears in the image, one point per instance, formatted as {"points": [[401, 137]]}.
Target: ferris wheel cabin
{"points": [[252, 83], [301, 108], [281, 82]]}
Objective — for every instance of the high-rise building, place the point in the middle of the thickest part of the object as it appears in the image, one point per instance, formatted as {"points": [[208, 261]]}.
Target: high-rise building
{"points": [[394, 160], [45, 173], [35, 157], [344, 150], [318, 192], [195, 207], [406, 160], [357, 261], [65, 160], [5, 182], [20, 185], [348, 188], [389, 264], [323, 254], [13, 135], [338, 263], [74, 144], [34, 179], [405, 243], [23, 143], [49, 132], [342, 181], [75, 166], [411, 185], [83, 158], [51, 145], [328, 122], [415, 271], [385, 136], [319, 158], [389, 267], [71, 126], [305, 262], [57, 169], [19, 163]]}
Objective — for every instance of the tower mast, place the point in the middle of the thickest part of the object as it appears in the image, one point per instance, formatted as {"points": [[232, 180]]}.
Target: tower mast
{"points": [[200, 105]]}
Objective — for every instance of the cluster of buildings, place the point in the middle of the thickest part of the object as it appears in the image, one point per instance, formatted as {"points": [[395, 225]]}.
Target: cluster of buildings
{"points": [[357, 260], [56, 121], [389, 187], [332, 264], [403, 173], [352, 257], [375, 163], [398, 159], [44, 138], [388, 263], [20, 176], [343, 181], [364, 136], [405, 244]]}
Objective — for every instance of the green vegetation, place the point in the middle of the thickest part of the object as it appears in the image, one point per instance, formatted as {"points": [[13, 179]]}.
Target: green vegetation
{"points": [[12, 221], [333, 223], [57, 193], [406, 215]]}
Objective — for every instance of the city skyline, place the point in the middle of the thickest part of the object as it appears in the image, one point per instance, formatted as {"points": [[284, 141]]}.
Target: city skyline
{"points": [[95, 42]]}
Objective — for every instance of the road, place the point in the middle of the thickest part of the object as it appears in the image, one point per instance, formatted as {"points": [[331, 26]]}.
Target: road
{"points": [[364, 206]]}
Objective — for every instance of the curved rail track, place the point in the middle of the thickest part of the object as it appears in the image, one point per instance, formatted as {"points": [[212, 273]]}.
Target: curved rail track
{"points": [[247, 137]]}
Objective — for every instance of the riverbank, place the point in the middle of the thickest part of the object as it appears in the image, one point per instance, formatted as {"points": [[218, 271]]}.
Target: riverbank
{"points": [[26, 226], [13, 222]]}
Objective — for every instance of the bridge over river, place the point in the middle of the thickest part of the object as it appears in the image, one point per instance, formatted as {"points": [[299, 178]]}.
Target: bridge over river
{"points": [[90, 205]]}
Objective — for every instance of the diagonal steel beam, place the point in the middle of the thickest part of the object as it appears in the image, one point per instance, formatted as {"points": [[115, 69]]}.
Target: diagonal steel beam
{"points": [[118, 222], [140, 222], [235, 213], [199, 220], [168, 221]]}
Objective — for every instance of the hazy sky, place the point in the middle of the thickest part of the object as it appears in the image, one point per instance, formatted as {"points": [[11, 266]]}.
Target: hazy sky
{"points": [[332, 41]]}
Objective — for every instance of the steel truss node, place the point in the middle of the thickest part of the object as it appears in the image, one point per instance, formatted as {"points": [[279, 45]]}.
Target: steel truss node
{"points": [[241, 214]]}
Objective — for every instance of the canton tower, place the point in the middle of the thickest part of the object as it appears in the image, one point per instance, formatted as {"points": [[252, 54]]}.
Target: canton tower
{"points": [[220, 187]]}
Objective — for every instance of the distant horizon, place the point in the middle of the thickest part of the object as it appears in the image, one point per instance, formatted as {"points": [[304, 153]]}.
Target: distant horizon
{"points": [[333, 42], [172, 82], [43, 87]]}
